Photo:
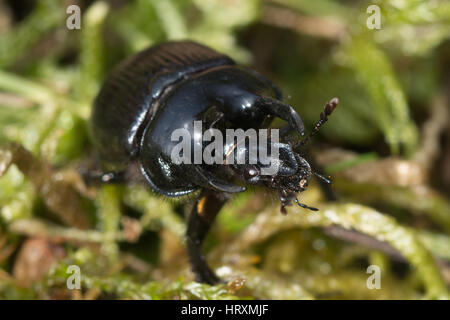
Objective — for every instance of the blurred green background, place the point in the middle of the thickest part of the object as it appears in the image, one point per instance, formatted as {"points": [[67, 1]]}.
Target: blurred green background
{"points": [[387, 148]]}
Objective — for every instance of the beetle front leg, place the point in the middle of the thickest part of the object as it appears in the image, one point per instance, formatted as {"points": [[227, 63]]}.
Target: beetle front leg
{"points": [[283, 111], [199, 222]]}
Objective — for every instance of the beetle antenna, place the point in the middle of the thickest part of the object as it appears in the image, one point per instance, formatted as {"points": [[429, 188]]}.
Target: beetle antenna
{"points": [[321, 177], [328, 110], [305, 206]]}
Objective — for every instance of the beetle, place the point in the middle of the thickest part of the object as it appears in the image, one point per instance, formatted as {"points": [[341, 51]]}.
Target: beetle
{"points": [[171, 85]]}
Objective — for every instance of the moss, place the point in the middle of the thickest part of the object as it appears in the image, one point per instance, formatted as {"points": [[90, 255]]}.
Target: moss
{"points": [[387, 81]]}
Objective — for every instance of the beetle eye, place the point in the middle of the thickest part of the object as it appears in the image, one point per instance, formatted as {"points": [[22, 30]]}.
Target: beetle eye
{"points": [[250, 172]]}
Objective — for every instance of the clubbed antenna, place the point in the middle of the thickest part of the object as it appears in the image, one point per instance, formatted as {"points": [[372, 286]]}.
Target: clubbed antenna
{"points": [[329, 108]]}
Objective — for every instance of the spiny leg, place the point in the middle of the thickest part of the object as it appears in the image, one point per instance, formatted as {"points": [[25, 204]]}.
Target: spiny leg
{"points": [[199, 222]]}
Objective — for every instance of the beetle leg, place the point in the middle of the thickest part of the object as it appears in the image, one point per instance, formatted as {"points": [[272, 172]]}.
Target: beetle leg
{"points": [[290, 165], [210, 181], [283, 111], [286, 131], [198, 225], [285, 200]]}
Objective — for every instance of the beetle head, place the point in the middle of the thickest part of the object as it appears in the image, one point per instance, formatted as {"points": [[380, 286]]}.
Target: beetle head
{"points": [[293, 171], [290, 179]]}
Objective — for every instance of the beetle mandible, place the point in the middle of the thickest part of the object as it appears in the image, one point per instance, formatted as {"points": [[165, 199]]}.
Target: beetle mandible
{"points": [[171, 85]]}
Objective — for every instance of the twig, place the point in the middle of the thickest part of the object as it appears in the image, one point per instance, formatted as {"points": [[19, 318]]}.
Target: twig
{"points": [[372, 243], [365, 240], [431, 131], [58, 195], [39, 228]]}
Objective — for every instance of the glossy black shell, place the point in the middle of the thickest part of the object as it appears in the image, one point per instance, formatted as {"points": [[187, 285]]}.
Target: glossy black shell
{"points": [[166, 87]]}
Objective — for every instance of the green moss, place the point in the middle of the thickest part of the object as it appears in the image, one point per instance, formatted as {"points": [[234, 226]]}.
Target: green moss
{"points": [[387, 81]]}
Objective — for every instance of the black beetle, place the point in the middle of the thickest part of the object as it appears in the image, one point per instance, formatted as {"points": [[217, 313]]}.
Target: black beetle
{"points": [[171, 85]]}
